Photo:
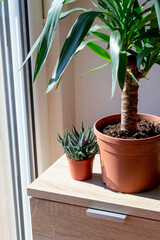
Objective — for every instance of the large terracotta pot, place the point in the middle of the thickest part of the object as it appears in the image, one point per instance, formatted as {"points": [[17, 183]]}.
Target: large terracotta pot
{"points": [[128, 165], [81, 170]]}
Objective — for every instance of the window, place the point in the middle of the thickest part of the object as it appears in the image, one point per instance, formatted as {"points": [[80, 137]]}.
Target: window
{"points": [[18, 165]]}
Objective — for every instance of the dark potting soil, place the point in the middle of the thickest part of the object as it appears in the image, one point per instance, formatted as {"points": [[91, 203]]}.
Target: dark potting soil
{"points": [[145, 129]]}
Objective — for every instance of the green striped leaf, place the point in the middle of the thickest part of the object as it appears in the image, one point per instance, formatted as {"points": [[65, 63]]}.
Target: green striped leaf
{"points": [[99, 51], [122, 68], [72, 42], [144, 53], [31, 52], [128, 4], [134, 78], [157, 8], [103, 36], [98, 27], [149, 33], [145, 3], [84, 43], [143, 21], [65, 14], [115, 46], [47, 35], [69, 1], [94, 70]]}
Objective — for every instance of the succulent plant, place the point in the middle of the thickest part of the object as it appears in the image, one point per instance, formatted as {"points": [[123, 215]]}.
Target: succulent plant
{"points": [[79, 145]]}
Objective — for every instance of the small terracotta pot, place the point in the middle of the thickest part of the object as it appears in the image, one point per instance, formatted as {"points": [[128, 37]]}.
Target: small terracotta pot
{"points": [[81, 170], [129, 165]]}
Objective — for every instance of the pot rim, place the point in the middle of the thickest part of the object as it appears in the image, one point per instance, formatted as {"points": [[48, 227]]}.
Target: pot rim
{"points": [[121, 140]]}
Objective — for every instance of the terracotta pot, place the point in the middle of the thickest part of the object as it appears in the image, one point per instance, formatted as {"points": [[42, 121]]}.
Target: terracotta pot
{"points": [[129, 165], [81, 170]]}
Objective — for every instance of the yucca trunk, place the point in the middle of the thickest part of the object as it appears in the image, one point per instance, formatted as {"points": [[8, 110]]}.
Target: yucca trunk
{"points": [[129, 98]]}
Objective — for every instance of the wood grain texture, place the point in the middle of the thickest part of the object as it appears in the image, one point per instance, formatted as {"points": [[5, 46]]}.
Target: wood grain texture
{"points": [[56, 184], [58, 221]]}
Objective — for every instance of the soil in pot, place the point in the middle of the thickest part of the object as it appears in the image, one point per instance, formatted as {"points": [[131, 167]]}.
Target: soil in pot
{"points": [[145, 129]]}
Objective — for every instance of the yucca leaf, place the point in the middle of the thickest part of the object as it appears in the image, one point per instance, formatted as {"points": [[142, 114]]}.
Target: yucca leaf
{"points": [[142, 22], [149, 33], [138, 45], [157, 8], [97, 27], [132, 52], [84, 43], [98, 6], [122, 68], [99, 51], [65, 14], [103, 36], [145, 3], [108, 24], [128, 4], [47, 35], [137, 9], [152, 57], [112, 6], [31, 52], [144, 53], [94, 70], [72, 42], [146, 10], [115, 46], [69, 1], [157, 61], [134, 78], [113, 19]]}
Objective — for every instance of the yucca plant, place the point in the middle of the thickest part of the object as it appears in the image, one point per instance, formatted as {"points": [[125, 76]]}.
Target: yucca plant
{"points": [[132, 47], [79, 145]]}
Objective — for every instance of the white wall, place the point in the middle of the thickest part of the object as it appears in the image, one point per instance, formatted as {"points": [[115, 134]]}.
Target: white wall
{"points": [[93, 91], [149, 92]]}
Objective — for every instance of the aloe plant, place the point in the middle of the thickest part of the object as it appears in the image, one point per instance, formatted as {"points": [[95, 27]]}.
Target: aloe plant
{"points": [[131, 47], [79, 145]]}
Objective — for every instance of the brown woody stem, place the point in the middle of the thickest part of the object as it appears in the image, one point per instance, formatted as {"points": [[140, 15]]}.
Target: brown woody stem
{"points": [[129, 100]]}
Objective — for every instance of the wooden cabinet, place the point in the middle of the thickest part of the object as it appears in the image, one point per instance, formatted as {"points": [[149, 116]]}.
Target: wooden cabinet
{"points": [[59, 205]]}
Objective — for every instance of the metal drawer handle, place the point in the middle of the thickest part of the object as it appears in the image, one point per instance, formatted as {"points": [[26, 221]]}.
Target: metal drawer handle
{"points": [[116, 217]]}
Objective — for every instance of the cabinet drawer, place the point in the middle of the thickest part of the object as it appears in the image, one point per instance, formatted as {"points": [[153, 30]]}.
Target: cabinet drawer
{"points": [[58, 221]]}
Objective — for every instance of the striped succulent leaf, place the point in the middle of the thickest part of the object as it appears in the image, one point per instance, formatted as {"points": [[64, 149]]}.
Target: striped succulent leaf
{"points": [[79, 145]]}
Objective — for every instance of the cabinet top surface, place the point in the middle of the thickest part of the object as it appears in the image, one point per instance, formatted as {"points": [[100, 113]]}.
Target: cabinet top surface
{"points": [[56, 184]]}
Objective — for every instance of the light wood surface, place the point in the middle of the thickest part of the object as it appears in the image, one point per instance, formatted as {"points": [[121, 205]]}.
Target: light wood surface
{"points": [[56, 184], [59, 221]]}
